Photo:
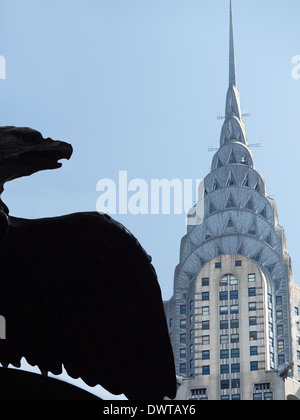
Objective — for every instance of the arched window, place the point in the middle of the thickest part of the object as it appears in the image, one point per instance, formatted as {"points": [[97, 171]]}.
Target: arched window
{"points": [[229, 279]]}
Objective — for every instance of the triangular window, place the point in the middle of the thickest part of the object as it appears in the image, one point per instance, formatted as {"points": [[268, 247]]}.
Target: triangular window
{"points": [[271, 268], [202, 261], [190, 276], [230, 203], [249, 204], [220, 164], [232, 158], [230, 180], [257, 187], [263, 213], [230, 228], [258, 256], [252, 228], [219, 251], [268, 239], [216, 185], [245, 183]]}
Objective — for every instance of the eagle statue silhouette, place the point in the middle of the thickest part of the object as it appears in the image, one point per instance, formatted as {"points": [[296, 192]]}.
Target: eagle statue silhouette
{"points": [[78, 291]]}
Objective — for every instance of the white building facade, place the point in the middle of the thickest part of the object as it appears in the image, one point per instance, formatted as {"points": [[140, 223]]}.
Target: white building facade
{"points": [[234, 317]]}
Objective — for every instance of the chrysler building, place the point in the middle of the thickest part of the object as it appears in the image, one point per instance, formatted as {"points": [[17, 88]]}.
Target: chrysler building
{"points": [[235, 313]]}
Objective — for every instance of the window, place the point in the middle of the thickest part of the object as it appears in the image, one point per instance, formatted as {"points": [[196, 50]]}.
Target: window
{"points": [[171, 323], [205, 281], [224, 369], [253, 366], [191, 305], [279, 315], [183, 353], [252, 320], [235, 368], [253, 335], [296, 311], [205, 296], [223, 325], [198, 394], [238, 263], [182, 368], [225, 397], [183, 338], [232, 280], [251, 277], [252, 306], [236, 397], [182, 309], [224, 339], [224, 354], [223, 295], [218, 265], [223, 310], [206, 355], [234, 323], [280, 344], [235, 338], [224, 281], [183, 323], [235, 353], [263, 392], [278, 300], [191, 349], [235, 383], [253, 351], [205, 310], [225, 384], [205, 325], [234, 294], [205, 340], [234, 309], [252, 291], [281, 359], [205, 370]]}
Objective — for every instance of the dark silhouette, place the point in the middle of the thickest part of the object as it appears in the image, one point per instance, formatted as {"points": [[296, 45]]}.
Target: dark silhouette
{"points": [[20, 385], [79, 290]]}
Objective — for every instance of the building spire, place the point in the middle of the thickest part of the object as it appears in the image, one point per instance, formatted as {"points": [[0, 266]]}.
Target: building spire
{"points": [[233, 128], [232, 72]]}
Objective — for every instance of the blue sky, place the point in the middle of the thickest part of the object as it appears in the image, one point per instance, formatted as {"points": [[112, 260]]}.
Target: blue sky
{"points": [[136, 85]]}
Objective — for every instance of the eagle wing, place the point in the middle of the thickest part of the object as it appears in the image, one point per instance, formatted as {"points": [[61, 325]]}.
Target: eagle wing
{"points": [[79, 291]]}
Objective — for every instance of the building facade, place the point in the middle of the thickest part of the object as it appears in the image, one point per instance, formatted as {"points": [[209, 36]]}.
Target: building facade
{"points": [[235, 313]]}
